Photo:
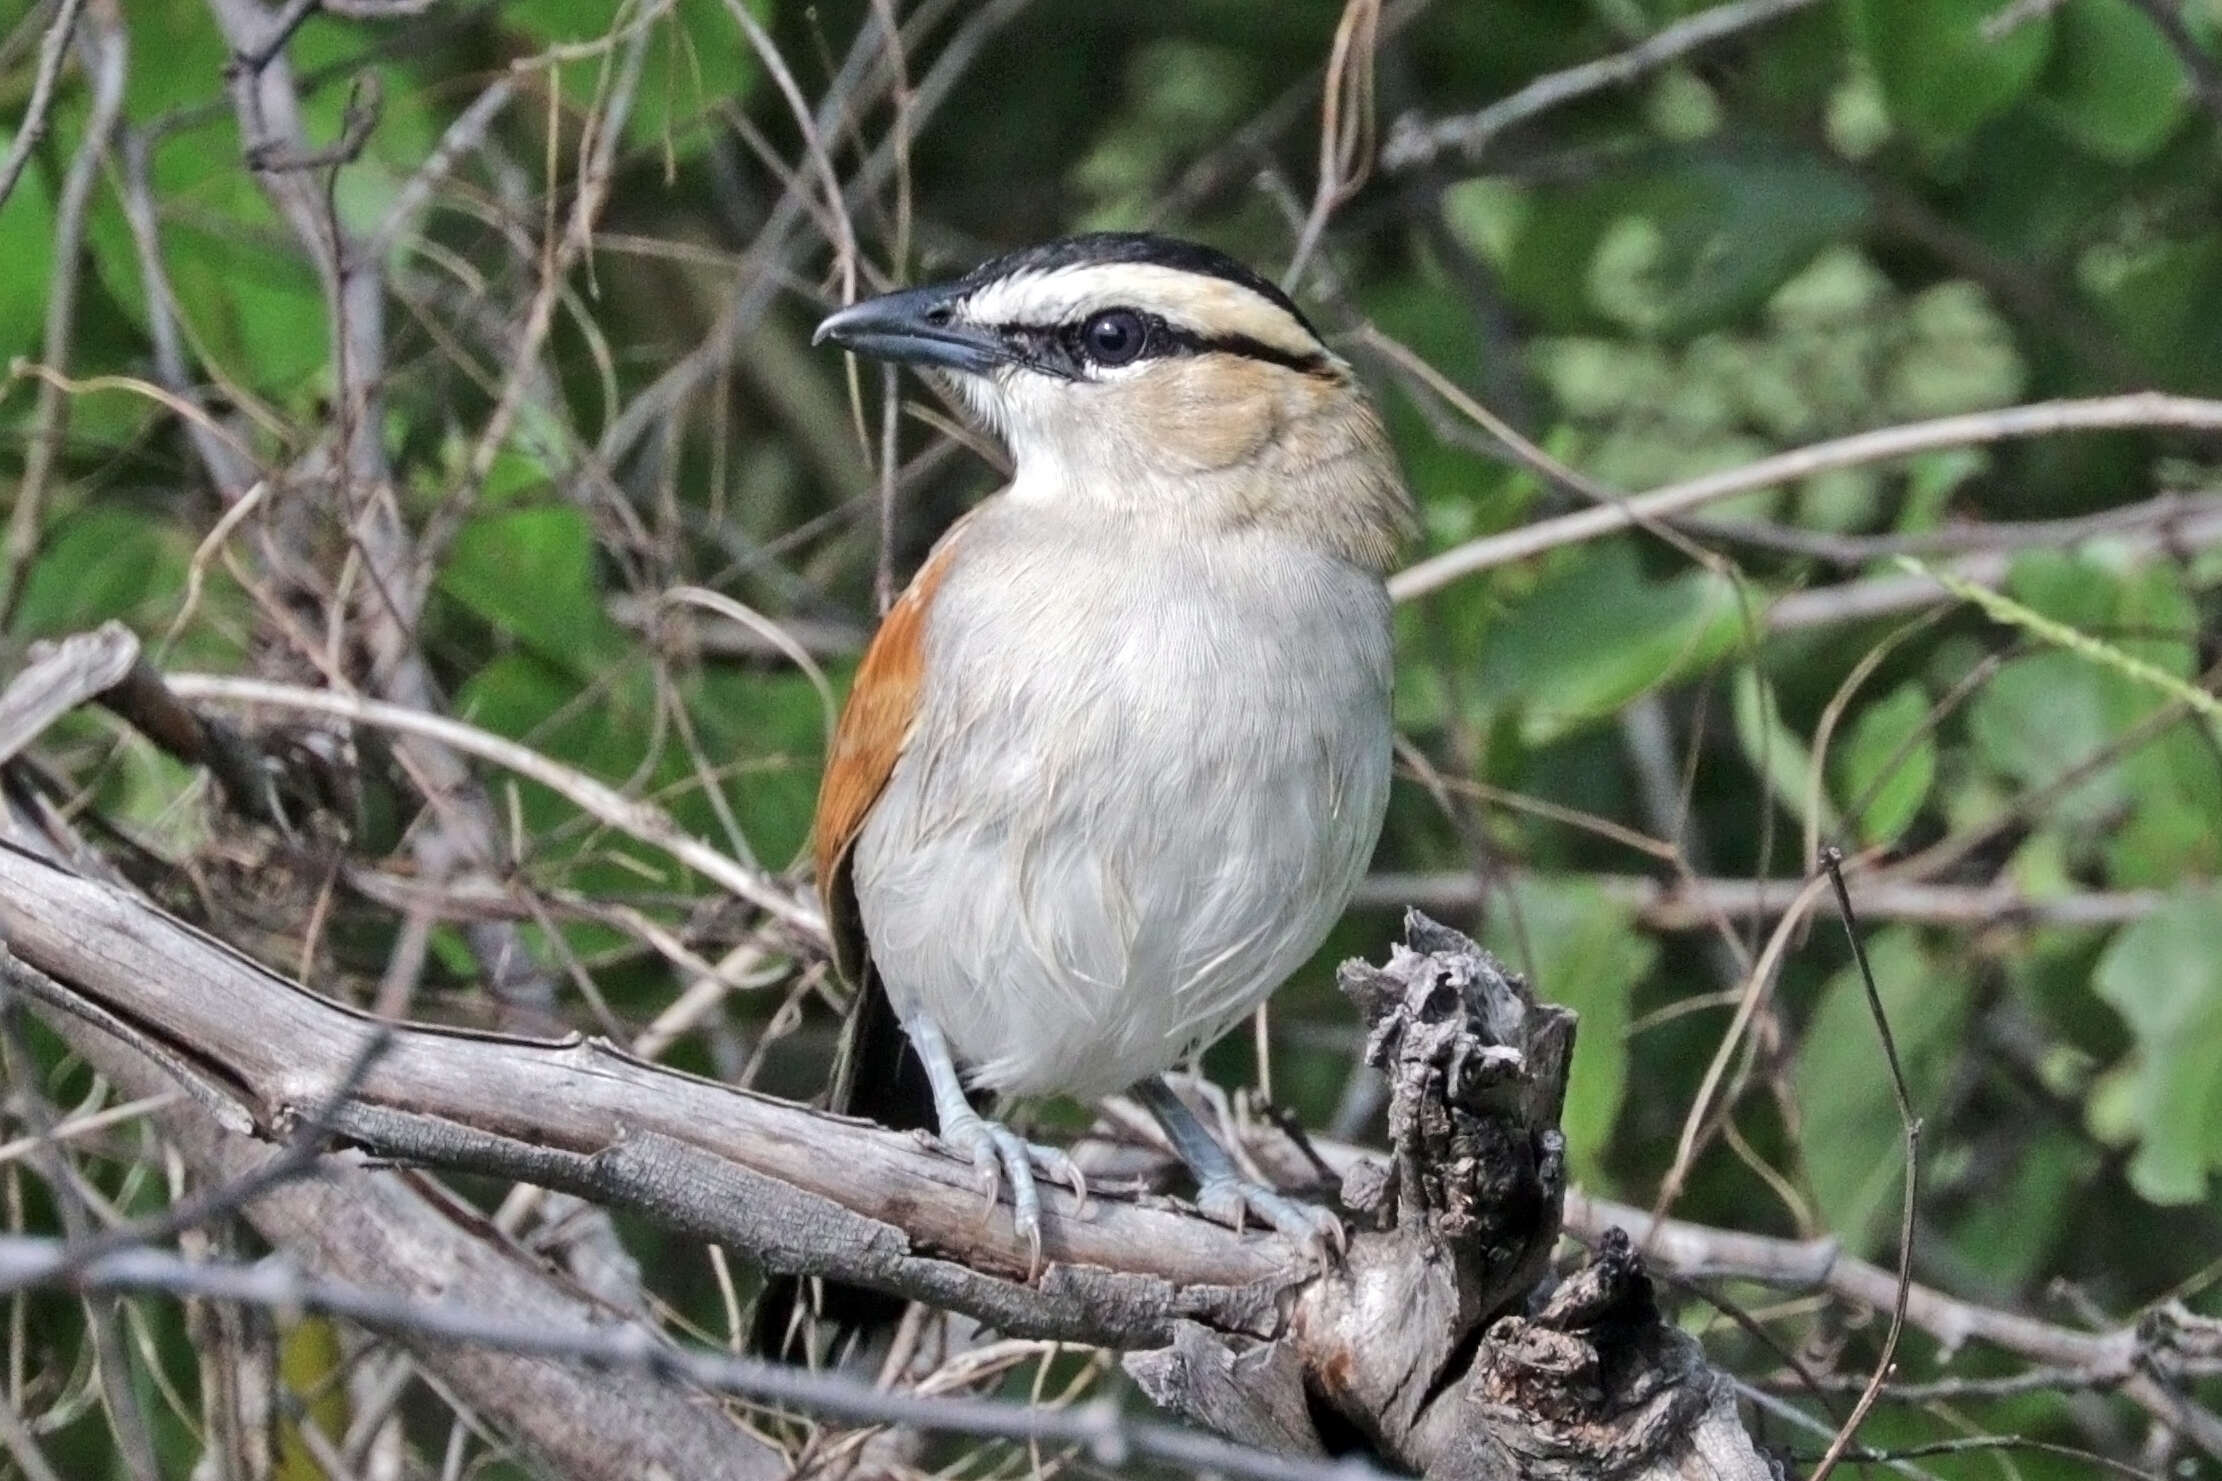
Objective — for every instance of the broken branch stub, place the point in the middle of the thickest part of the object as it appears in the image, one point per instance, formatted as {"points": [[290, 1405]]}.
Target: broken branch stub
{"points": [[1467, 1212], [1440, 1343]]}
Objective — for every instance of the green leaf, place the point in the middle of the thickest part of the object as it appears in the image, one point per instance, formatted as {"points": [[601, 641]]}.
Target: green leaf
{"points": [[1777, 754], [1582, 951], [1596, 634], [2028, 1204], [2114, 84], [773, 725], [1940, 73], [1685, 245], [531, 573], [527, 698], [1852, 1138], [2157, 810], [27, 247], [1887, 764], [2040, 716], [102, 563], [2163, 974]]}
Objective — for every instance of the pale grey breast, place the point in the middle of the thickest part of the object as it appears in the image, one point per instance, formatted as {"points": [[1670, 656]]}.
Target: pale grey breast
{"points": [[1114, 830]]}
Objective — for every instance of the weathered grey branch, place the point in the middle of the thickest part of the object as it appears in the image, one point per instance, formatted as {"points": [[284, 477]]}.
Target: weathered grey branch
{"points": [[1467, 1210], [1456, 1229], [53, 49], [1700, 904], [1413, 144], [276, 1285], [808, 1193], [2138, 1357], [384, 1232], [107, 665], [2143, 409]]}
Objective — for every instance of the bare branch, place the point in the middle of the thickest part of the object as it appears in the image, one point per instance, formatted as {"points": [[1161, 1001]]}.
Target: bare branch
{"points": [[385, 1232], [1832, 860], [1413, 144], [2144, 409], [1109, 1435], [2135, 1357], [642, 820], [57, 678], [463, 135], [107, 56], [53, 47], [1699, 904], [1479, 1068]]}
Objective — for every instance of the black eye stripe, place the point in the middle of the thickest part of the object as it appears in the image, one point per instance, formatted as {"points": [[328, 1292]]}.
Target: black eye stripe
{"points": [[1060, 350], [1306, 361]]}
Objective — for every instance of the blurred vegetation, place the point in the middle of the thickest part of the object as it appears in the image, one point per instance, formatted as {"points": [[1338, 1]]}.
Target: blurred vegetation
{"points": [[1856, 214]]}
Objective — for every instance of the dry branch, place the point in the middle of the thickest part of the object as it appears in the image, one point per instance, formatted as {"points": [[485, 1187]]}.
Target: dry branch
{"points": [[53, 48], [1699, 904], [2142, 1358], [389, 1233], [2144, 409], [1413, 144], [1454, 1231], [276, 1285]]}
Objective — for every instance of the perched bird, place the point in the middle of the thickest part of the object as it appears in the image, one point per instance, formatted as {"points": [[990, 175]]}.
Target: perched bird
{"points": [[1116, 759]]}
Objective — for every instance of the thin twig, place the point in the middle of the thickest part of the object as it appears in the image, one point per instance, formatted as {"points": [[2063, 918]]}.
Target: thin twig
{"points": [[1973, 1444], [302, 1150], [1758, 990], [1346, 126], [2143, 409], [1697, 903], [1874, 597], [2006, 611], [761, 277], [641, 820], [2164, 512], [53, 47], [1832, 859], [1412, 144], [1111, 1438], [558, 257], [463, 135], [2127, 1358], [107, 55]]}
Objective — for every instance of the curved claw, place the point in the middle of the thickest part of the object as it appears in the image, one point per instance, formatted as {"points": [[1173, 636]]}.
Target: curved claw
{"points": [[1000, 1155], [1308, 1226], [1049, 1162]]}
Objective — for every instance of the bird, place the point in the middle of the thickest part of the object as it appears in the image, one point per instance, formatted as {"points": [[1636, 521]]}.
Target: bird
{"points": [[1117, 757]]}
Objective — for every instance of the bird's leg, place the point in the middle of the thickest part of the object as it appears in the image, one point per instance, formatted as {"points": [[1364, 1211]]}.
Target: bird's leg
{"points": [[998, 1152], [1222, 1192]]}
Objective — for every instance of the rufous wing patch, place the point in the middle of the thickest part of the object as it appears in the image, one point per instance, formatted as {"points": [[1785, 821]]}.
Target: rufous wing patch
{"points": [[875, 726]]}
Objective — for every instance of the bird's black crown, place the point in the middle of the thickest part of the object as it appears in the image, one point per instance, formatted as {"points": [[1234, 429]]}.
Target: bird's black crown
{"points": [[1094, 247]]}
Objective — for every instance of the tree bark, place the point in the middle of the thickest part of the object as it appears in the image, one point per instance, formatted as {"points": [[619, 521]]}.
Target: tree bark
{"points": [[1436, 1343], [382, 1230]]}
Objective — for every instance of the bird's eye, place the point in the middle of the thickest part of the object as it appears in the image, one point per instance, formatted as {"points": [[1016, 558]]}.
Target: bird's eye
{"points": [[1114, 337]]}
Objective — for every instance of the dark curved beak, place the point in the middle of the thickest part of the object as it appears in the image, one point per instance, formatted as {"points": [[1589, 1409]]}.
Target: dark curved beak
{"points": [[916, 326]]}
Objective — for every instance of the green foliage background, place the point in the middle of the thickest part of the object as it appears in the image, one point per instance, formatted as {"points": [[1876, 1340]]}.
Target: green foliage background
{"points": [[1861, 213]]}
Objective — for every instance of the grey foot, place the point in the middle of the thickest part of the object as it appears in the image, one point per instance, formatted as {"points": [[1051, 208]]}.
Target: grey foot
{"points": [[1231, 1200], [1001, 1155]]}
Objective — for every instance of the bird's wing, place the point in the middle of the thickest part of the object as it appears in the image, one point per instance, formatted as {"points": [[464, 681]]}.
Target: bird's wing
{"points": [[875, 727]]}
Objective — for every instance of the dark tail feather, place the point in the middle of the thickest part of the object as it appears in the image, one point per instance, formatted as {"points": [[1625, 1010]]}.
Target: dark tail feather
{"points": [[877, 1076], [876, 1073]]}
